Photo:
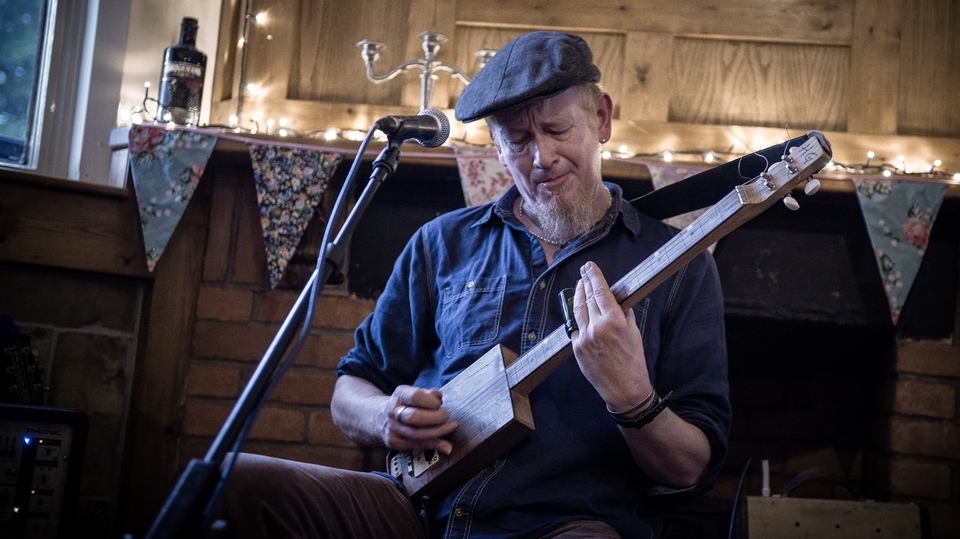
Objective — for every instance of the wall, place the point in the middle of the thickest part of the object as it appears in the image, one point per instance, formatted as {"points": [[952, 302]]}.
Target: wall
{"points": [[812, 387], [880, 67], [84, 328], [919, 435], [75, 282]]}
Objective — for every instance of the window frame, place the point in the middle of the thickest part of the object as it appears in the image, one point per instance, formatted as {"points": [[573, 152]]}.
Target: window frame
{"points": [[78, 90]]}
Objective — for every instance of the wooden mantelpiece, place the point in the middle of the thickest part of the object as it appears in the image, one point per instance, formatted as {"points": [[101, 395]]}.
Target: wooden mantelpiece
{"points": [[639, 139]]}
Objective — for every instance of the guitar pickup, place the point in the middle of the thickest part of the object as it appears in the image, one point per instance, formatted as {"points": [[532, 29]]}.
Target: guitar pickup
{"points": [[413, 462], [399, 463], [423, 459]]}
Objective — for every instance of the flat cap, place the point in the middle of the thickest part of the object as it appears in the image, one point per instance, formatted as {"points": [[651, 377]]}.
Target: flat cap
{"points": [[533, 66]]}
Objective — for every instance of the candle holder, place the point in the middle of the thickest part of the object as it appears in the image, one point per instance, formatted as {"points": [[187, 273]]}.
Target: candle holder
{"points": [[428, 66]]}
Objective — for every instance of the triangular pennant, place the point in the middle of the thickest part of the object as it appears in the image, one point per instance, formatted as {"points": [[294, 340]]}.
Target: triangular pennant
{"points": [[290, 185], [482, 177], [166, 166], [663, 174], [899, 216]]}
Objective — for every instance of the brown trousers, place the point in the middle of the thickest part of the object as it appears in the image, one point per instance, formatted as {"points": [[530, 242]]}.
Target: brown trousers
{"points": [[266, 497]]}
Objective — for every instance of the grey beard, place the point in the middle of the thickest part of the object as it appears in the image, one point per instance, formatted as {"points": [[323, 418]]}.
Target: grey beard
{"points": [[562, 221]]}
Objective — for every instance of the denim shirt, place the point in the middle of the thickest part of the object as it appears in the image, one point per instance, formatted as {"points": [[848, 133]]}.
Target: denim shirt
{"points": [[474, 278]]}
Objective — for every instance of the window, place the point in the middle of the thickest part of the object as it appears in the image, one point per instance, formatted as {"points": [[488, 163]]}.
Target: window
{"points": [[82, 60], [25, 45]]}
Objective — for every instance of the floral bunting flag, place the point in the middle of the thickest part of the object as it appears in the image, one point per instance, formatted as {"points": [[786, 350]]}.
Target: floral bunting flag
{"points": [[664, 174], [290, 185], [482, 177], [166, 166], [899, 216]]}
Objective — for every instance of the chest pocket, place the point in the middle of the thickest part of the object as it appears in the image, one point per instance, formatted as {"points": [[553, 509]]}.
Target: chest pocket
{"points": [[470, 313]]}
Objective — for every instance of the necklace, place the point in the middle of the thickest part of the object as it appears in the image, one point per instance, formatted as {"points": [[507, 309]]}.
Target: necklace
{"points": [[538, 236], [543, 238]]}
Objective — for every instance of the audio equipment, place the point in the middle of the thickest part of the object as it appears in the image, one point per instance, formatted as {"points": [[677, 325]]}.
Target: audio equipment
{"points": [[41, 459]]}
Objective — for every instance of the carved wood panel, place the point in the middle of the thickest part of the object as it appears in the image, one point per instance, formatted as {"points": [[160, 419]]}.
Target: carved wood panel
{"points": [[870, 66], [765, 84], [929, 92]]}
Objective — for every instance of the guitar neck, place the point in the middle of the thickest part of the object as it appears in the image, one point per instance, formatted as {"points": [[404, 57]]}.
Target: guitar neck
{"points": [[737, 207], [528, 370]]}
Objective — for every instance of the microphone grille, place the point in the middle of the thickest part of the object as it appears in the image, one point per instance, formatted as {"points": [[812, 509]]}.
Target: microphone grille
{"points": [[443, 128]]}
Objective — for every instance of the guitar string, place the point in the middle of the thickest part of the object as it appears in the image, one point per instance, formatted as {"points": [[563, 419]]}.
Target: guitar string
{"points": [[712, 218]]}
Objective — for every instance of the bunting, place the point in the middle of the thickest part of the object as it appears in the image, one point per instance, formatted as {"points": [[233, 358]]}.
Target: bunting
{"points": [[482, 177], [899, 216], [290, 185], [166, 166]]}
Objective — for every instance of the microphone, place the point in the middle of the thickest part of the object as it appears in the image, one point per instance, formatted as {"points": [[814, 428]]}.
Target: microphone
{"points": [[430, 128]]}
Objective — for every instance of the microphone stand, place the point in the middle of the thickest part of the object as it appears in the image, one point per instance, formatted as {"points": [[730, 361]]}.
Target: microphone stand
{"points": [[188, 510]]}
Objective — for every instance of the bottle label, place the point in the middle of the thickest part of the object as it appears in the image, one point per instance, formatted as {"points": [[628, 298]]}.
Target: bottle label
{"points": [[182, 69]]}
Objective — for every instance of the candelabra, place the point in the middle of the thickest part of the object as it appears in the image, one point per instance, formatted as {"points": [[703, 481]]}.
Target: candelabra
{"points": [[429, 66]]}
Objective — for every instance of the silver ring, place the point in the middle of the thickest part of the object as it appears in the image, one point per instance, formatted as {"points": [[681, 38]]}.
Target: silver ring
{"points": [[399, 412]]}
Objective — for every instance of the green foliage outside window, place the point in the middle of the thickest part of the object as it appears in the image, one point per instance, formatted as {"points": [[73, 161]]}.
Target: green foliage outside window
{"points": [[22, 24]]}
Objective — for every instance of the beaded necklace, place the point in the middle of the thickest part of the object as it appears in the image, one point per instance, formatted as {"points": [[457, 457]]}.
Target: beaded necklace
{"points": [[543, 238]]}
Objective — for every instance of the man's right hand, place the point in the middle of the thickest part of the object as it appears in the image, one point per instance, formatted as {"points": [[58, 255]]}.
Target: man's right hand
{"points": [[410, 418]]}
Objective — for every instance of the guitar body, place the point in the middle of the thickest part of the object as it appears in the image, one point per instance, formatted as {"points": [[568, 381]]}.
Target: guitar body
{"points": [[492, 418]]}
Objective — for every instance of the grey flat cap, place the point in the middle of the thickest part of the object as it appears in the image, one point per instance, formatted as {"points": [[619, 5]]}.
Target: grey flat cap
{"points": [[533, 66]]}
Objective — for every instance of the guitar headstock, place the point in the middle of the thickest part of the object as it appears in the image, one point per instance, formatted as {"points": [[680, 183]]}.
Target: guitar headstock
{"points": [[798, 164]]}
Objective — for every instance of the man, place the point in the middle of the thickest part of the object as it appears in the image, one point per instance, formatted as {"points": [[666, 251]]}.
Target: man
{"points": [[637, 420]]}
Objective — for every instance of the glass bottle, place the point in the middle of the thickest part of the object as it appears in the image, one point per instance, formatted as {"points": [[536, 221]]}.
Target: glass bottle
{"points": [[181, 82]]}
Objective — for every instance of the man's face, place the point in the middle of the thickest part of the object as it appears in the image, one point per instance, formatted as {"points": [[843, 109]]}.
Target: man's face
{"points": [[552, 150]]}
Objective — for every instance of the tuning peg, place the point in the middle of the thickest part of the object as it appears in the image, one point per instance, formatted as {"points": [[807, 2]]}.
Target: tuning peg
{"points": [[791, 203], [812, 186]]}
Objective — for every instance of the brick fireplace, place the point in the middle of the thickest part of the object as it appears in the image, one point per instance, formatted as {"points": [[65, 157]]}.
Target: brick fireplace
{"points": [[822, 384]]}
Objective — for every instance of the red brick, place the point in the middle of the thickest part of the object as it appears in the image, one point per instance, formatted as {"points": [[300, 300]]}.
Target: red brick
{"points": [[279, 424], [331, 312], [924, 438], [274, 306], [213, 380], [323, 431], [929, 357], [926, 399], [307, 356], [205, 417], [926, 480], [305, 386], [232, 341], [331, 347], [341, 313], [224, 304]]}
